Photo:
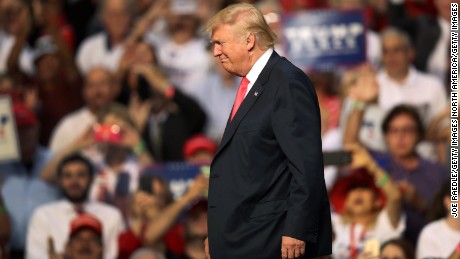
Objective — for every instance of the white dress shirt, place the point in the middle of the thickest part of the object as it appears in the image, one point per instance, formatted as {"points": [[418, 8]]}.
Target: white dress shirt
{"points": [[53, 220], [255, 71]]}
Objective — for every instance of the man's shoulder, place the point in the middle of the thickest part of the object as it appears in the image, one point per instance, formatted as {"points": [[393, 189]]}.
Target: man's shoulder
{"points": [[102, 209], [93, 40], [49, 209], [286, 70], [427, 79], [74, 117]]}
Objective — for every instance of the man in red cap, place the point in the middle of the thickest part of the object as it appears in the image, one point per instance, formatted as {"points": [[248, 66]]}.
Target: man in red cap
{"points": [[85, 240], [23, 190]]}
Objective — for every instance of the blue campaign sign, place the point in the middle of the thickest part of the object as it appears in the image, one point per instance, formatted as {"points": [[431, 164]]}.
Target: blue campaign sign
{"points": [[324, 38], [178, 174]]}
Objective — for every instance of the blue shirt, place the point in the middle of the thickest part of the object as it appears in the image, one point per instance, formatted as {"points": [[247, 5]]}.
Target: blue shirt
{"points": [[23, 191], [427, 179]]}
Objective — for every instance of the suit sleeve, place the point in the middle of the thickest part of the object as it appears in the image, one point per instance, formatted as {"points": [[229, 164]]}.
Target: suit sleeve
{"points": [[297, 128]]}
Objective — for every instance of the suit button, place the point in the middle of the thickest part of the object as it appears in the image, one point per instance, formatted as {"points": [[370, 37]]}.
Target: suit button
{"points": [[212, 206], [214, 176]]}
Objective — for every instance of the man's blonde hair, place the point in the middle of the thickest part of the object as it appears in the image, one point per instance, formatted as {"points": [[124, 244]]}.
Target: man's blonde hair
{"points": [[245, 18]]}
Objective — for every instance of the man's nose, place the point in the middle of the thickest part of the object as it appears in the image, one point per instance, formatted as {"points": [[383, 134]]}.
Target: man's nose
{"points": [[216, 50]]}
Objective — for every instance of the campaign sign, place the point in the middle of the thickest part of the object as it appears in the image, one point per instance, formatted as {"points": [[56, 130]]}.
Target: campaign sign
{"points": [[9, 147], [324, 38], [178, 174]]}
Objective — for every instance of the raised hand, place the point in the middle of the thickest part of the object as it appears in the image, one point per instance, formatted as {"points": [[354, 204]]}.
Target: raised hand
{"points": [[361, 84]]}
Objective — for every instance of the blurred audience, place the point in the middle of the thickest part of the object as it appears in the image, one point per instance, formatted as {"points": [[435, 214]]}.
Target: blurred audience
{"points": [[5, 230], [98, 94], [397, 248], [85, 240], [403, 129], [106, 48], [216, 94], [154, 213], [181, 52], [14, 27], [57, 83], [167, 117], [441, 237], [195, 231], [147, 253], [431, 36], [364, 216], [199, 150], [23, 190], [74, 177]]}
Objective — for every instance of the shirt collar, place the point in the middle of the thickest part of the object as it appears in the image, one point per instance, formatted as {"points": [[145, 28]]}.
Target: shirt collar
{"points": [[259, 66]]}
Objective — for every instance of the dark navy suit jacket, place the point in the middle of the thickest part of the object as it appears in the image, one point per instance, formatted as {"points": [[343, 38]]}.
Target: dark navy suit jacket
{"points": [[267, 177]]}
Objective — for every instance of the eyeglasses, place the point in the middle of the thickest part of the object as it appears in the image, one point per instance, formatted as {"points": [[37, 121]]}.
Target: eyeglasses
{"points": [[403, 130]]}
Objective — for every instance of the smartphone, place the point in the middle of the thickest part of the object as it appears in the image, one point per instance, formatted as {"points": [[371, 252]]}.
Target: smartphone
{"points": [[143, 88], [337, 158], [145, 183], [122, 184], [111, 133]]}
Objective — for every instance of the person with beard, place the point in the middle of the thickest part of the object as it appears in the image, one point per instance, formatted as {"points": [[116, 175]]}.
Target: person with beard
{"points": [[74, 176]]}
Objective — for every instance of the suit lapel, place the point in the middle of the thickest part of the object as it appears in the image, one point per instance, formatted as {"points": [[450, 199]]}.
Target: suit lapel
{"points": [[248, 102]]}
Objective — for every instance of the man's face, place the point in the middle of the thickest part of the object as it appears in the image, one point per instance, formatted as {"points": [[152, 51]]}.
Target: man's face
{"points": [[231, 50], [396, 55], [97, 90], [361, 201], [85, 244], [402, 136], [116, 19], [48, 67], [75, 181]]}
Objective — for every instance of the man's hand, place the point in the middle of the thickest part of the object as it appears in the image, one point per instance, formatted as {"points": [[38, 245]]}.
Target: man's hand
{"points": [[292, 248], [206, 249]]}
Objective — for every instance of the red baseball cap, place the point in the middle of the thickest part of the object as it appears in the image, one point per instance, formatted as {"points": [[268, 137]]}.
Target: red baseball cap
{"points": [[85, 220], [357, 179], [199, 142], [24, 116]]}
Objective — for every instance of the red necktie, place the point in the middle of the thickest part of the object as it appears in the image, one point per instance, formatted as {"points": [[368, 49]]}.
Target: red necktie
{"points": [[240, 96]]}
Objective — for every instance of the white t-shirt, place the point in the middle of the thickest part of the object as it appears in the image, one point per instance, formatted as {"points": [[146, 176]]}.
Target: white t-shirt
{"points": [[421, 90], [186, 65], [26, 56], [70, 128], [95, 52], [382, 231], [437, 239], [53, 220]]}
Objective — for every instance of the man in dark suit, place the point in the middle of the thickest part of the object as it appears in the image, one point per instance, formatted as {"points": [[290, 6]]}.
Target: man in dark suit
{"points": [[267, 196]]}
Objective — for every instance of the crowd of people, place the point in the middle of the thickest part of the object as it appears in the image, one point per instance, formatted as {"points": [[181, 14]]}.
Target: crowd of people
{"points": [[102, 91]]}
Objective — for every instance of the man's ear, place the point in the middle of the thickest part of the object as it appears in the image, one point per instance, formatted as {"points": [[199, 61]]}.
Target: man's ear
{"points": [[250, 41]]}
